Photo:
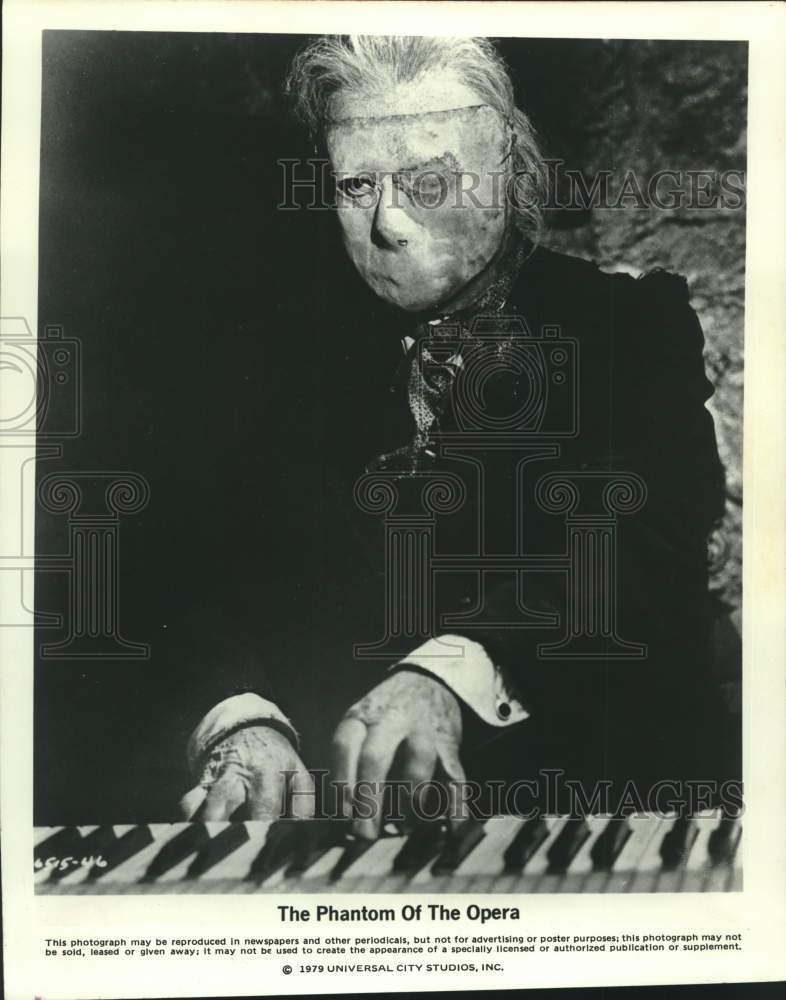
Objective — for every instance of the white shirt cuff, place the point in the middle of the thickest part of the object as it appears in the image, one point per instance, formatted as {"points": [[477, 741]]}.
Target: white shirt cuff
{"points": [[466, 668], [233, 713]]}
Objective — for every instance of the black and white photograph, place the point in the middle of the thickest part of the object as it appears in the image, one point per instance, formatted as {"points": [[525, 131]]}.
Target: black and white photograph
{"points": [[402, 511], [374, 393]]}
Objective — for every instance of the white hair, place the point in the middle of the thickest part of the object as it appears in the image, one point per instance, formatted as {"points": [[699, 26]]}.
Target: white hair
{"points": [[358, 63]]}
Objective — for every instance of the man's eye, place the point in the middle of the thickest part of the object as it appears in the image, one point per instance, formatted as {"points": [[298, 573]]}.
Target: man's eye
{"points": [[429, 181], [357, 187], [430, 188]]}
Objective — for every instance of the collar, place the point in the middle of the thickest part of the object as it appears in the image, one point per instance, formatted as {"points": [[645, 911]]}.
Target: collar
{"points": [[491, 299]]}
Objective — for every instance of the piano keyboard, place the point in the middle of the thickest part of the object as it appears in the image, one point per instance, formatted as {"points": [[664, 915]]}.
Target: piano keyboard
{"points": [[501, 855]]}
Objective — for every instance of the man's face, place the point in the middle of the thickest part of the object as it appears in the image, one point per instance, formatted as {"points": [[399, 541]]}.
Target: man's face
{"points": [[420, 192]]}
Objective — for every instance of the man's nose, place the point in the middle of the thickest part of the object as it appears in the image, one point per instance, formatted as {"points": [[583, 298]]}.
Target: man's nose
{"points": [[393, 228]]}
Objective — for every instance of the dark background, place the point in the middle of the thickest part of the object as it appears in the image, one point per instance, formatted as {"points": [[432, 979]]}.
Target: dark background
{"points": [[194, 298]]}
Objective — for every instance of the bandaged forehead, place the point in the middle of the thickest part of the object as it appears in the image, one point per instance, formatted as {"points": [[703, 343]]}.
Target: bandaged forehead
{"points": [[462, 140]]}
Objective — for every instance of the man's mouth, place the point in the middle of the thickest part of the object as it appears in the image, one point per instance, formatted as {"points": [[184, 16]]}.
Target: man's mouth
{"points": [[384, 278]]}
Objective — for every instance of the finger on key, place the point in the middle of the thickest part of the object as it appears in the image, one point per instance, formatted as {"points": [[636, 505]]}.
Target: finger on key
{"points": [[347, 741], [376, 757], [302, 795], [191, 801], [419, 761], [458, 809], [267, 795], [224, 796]]}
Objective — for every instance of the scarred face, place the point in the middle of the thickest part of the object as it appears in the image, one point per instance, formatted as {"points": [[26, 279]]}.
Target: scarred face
{"points": [[420, 192]]}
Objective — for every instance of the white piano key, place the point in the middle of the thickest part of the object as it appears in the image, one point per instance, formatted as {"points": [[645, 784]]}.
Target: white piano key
{"points": [[580, 870], [376, 862], [42, 833], [423, 876], [643, 830], [178, 872], [725, 876], [373, 871], [698, 863], [582, 862], [75, 870], [277, 880], [650, 863], [41, 875], [76, 875], [734, 881], [486, 863], [535, 868], [538, 864], [320, 869], [42, 871], [441, 882], [236, 865], [273, 881], [132, 870], [81, 872], [674, 879], [487, 858], [313, 879]]}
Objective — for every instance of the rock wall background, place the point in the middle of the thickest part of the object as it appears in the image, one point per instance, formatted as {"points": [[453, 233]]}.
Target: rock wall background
{"points": [[646, 106]]}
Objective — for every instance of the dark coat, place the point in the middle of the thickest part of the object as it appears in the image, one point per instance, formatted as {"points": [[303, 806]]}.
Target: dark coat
{"points": [[284, 574]]}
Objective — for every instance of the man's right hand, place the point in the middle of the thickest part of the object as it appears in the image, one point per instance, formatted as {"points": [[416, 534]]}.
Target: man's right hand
{"points": [[409, 708], [256, 768]]}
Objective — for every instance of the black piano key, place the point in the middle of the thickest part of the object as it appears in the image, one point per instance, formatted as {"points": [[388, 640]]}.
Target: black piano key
{"points": [[64, 843], [525, 844], [312, 840], [609, 843], [723, 840], [353, 850], [278, 850], [424, 844], [124, 847], [567, 845], [459, 843], [356, 847], [190, 840], [677, 842], [100, 841], [217, 848]]}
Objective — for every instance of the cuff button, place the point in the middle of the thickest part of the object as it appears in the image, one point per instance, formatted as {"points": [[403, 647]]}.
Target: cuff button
{"points": [[503, 710]]}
